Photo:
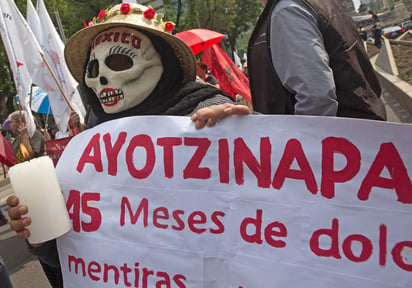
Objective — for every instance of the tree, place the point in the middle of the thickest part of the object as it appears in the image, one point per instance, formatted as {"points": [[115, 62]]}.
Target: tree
{"points": [[247, 13], [7, 87], [408, 4], [362, 8], [230, 17]]}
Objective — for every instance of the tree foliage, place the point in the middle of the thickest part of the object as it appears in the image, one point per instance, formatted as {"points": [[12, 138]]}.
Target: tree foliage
{"points": [[7, 87], [230, 17], [408, 4]]}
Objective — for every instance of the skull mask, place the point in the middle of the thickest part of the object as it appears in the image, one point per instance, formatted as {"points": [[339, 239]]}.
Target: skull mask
{"points": [[123, 68]]}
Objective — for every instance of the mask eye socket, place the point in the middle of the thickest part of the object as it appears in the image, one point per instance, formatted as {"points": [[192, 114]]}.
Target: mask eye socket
{"points": [[119, 62], [93, 69]]}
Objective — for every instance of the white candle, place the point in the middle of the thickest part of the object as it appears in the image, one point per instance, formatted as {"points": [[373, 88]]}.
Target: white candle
{"points": [[35, 183]]}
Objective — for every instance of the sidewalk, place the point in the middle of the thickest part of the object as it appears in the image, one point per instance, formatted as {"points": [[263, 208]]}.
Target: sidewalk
{"points": [[5, 188]]}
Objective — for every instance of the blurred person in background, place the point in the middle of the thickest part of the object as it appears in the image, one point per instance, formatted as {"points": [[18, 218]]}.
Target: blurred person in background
{"points": [[35, 145], [205, 76], [377, 33]]}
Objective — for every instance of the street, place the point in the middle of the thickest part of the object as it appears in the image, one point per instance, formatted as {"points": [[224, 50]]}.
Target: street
{"points": [[24, 269]]}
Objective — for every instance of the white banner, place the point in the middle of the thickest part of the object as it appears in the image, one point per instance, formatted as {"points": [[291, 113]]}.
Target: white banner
{"points": [[257, 201]]}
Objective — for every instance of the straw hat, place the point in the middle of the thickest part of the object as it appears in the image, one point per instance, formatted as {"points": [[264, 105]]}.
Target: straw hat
{"points": [[131, 15]]}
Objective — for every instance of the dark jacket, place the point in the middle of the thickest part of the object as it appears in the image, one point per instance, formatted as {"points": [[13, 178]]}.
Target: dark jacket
{"points": [[357, 87]]}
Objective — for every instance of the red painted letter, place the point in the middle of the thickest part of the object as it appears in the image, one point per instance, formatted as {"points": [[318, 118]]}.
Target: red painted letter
{"points": [[330, 146], [398, 258], [144, 206], [280, 232], [146, 142], [256, 237], [192, 169], [262, 171], [95, 159], [168, 143], [112, 152], [388, 157], [333, 251], [293, 150], [223, 161], [366, 250]]}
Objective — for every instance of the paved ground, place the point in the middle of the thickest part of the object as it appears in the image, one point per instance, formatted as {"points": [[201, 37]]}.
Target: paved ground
{"points": [[396, 113], [24, 269]]}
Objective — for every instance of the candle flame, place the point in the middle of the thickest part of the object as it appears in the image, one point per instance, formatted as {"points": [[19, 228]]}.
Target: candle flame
{"points": [[24, 152]]}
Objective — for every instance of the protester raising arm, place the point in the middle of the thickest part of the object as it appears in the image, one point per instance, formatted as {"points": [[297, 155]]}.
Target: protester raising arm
{"points": [[34, 145]]}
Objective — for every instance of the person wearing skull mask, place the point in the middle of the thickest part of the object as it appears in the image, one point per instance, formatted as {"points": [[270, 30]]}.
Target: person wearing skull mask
{"points": [[135, 66], [128, 63]]}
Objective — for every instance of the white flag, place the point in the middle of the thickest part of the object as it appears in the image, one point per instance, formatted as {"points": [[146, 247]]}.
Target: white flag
{"points": [[33, 20], [53, 47], [23, 52]]}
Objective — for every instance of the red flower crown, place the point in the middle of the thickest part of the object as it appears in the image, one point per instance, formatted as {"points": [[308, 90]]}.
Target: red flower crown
{"points": [[125, 9]]}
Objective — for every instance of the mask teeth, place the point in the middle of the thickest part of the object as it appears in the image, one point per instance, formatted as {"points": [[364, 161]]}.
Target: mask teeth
{"points": [[109, 96]]}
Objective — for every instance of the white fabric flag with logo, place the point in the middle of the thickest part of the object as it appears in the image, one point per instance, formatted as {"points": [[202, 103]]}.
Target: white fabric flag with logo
{"points": [[53, 47], [23, 52]]}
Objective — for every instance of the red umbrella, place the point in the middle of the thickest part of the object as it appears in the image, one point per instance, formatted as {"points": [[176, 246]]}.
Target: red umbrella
{"points": [[200, 39], [7, 156]]}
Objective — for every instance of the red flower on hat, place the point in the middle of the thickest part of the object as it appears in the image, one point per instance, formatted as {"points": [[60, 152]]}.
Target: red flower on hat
{"points": [[125, 8], [101, 14], [149, 13], [169, 26]]}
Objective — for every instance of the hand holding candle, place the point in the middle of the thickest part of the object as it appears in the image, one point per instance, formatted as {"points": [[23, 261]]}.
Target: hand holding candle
{"points": [[18, 219], [35, 184]]}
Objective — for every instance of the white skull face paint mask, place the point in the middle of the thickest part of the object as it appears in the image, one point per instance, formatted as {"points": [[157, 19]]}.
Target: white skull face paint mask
{"points": [[123, 68]]}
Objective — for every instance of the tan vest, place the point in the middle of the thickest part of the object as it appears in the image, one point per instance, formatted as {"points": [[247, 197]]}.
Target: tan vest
{"points": [[357, 87]]}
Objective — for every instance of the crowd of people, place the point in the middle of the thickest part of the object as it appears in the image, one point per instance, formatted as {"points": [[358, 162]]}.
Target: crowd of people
{"points": [[337, 78]]}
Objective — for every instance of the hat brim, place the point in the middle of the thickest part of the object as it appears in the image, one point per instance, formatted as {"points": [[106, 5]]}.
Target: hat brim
{"points": [[77, 48]]}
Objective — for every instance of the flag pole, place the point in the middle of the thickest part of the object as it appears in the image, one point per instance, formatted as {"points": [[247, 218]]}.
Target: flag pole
{"points": [[59, 25], [20, 113], [57, 82], [31, 95]]}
